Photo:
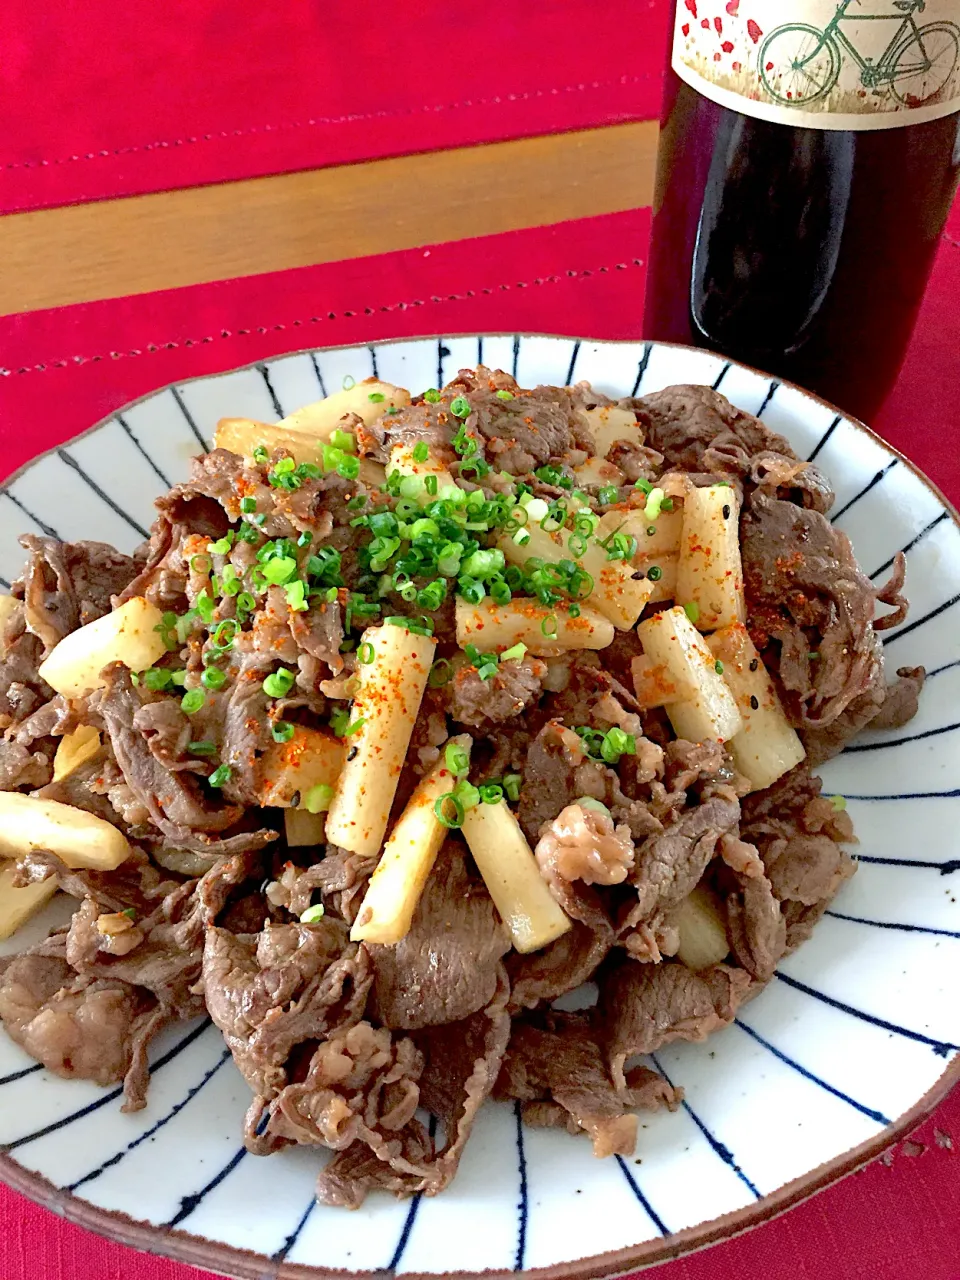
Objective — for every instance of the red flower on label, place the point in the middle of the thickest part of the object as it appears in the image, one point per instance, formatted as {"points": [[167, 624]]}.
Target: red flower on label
{"points": [[691, 6], [716, 57], [769, 66], [753, 30], [718, 23], [737, 66], [732, 7], [685, 28], [705, 23], [727, 46]]}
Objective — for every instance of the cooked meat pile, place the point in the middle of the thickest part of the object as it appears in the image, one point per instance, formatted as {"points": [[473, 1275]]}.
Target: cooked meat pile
{"points": [[217, 908]]}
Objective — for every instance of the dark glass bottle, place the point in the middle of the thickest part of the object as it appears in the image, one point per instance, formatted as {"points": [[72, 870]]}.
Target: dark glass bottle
{"points": [[802, 251]]}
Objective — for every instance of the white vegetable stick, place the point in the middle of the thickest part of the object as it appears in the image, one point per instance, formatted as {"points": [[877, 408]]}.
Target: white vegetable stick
{"points": [[616, 593], [710, 573], [18, 905], [78, 838], [243, 435], [389, 692], [408, 857], [494, 627], [656, 684], [608, 424], [513, 880], [128, 635], [311, 758], [321, 418], [767, 746], [402, 460], [598, 471], [74, 749], [303, 828], [703, 930], [671, 638], [659, 550]]}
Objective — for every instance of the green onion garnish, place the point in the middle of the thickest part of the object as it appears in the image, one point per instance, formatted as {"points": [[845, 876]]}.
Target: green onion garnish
{"points": [[839, 803], [692, 610], [202, 748], [220, 776], [192, 701], [213, 678], [247, 505], [377, 397], [460, 407], [457, 760], [317, 799], [312, 915], [504, 395], [279, 683], [491, 793], [514, 654], [421, 451], [282, 731], [432, 396], [442, 808], [511, 786], [718, 667]]}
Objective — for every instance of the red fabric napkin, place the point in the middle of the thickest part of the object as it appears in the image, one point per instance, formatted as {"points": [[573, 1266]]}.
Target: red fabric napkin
{"points": [[196, 91], [63, 370]]}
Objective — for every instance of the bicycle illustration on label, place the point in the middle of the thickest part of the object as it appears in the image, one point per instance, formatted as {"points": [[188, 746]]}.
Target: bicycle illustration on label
{"points": [[799, 63]]}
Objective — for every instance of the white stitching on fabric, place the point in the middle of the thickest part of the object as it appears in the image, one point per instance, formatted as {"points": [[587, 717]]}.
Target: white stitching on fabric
{"points": [[497, 100], [485, 291]]}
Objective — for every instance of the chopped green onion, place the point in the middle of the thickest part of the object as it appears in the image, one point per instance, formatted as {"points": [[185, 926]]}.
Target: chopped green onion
{"points": [[839, 803], [339, 719], [279, 570], [192, 701], [213, 678], [457, 760], [607, 494], [718, 667], [467, 794], [588, 802], [156, 678], [504, 395], [460, 407], [349, 382], [471, 590], [348, 467], [643, 485], [440, 673], [314, 914], [366, 653], [344, 440], [317, 799], [655, 500], [617, 743], [260, 454], [202, 748], [549, 626], [442, 809], [355, 727], [432, 396], [500, 593], [222, 545], [511, 786], [377, 397], [484, 564], [279, 683], [491, 793], [421, 452], [220, 776], [430, 484], [282, 731], [514, 654], [247, 505], [296, 593], [692, 610]]}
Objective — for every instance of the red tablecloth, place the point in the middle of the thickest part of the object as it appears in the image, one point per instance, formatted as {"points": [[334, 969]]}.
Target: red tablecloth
{"points": [[195, 91], [63, 370]]}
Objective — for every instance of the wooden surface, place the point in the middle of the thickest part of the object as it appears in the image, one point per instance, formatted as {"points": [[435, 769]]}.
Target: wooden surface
{"points": [[107, 249]]}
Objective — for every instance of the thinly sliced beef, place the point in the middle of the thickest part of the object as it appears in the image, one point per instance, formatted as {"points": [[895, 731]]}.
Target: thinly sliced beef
{"points": [[78, 1028], [643, 1006], [756, 927], [697, 429], [562, 1063], [292, 984], [512, 688], [807, 595], [68, 584], [448, 965], [880, 707], [562, 966]]}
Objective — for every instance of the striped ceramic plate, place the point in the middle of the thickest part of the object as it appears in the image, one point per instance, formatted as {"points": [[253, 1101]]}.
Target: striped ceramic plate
{"points": [[856, 1037]]}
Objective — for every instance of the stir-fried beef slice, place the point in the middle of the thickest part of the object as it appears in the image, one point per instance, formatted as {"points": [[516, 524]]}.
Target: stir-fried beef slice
{"points": [[23, 769], [697, 429], [68, 584], [670, 865], [135, 885], [800, 836], [643, 1006], [356, 1171], [562, 1062], [549, 777], [342, 879], [891, 593], [21, 689], [173, 799], [562, 966], [461, 1063], [447, 965], [293, 983], [756, 927], [28, 747], [806, 592], [509, 691], [902, 699], [78, 1028], [319, 631]]}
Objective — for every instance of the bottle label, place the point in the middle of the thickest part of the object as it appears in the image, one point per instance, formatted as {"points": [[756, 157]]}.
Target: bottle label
{"points": [[825, 64]]}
